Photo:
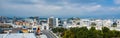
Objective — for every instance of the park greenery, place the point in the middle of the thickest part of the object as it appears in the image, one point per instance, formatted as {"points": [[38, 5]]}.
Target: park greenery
{"points": [[84, 32]]}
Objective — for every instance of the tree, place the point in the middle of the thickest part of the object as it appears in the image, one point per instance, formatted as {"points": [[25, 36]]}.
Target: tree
{"points": [[92, 33], [115, 33], [99, 34], [114, 24], [105, 29], [106, 33], [58, 30], [83, 28], [93, 24], [75, 30], [82, 33], [68, 34], [92, 29], [54, 30]]}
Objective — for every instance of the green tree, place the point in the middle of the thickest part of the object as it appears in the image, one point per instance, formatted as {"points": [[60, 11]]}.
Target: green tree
{"points": [[68, 34], [93, 24], [74, 30], [105, 29], [92, 33], [106, 33], [114, 24], [83, 28], [99, 34], [115, 33], [54, 30], [82, 33], [59, 31], [92, 29]]}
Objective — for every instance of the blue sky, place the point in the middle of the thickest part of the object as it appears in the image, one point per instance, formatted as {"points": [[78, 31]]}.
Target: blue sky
{"points": [[60, 8]]}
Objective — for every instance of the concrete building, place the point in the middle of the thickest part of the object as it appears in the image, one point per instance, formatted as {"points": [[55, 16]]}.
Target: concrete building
{"points": [[107, 23], [118, 22], [99, 22], [18, 35], [53, 22], [50, 22], [84, 22], [3, 19], [56, 22], [44, 26]]}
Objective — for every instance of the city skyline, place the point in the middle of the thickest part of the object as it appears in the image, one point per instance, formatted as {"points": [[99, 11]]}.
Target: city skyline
{"points": [[60, 8]]}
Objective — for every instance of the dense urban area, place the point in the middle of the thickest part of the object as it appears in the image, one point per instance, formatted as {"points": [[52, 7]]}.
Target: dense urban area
{"points": [[53, 27]]}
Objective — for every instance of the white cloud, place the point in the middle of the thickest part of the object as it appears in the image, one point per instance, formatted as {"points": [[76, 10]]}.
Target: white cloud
{"points": [[42, 7], [117, 1], [91, 8], [114, 8], [46, 7]]}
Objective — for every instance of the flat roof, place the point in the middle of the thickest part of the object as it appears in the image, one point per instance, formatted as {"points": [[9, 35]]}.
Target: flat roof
{"points": [[18, 35]]}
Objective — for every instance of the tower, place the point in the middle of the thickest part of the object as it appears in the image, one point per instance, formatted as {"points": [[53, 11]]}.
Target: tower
{"points": [[56, 22], [50, 22], [53, 22]]}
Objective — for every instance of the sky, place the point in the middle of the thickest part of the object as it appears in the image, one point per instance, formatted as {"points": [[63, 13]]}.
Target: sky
{"points": [[61, 8]]}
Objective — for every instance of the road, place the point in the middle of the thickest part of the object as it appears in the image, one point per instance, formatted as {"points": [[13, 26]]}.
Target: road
{"points": [[42, 36], [48, 34]]}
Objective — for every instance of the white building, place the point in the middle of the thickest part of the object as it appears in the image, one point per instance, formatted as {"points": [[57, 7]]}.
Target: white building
{"points": [[44, 26], [56, 22], [99, 22], [65, 24], [18, 35], [107, 23], [84, 22], [118, 22], [53, 22]]}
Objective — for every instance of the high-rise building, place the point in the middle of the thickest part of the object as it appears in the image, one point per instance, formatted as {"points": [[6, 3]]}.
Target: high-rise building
{"points": [[3, 19], [50, 22], [53, 22], [56, 22]]}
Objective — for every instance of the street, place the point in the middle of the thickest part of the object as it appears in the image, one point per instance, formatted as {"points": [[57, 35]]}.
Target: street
{"points": [[48, 34]]}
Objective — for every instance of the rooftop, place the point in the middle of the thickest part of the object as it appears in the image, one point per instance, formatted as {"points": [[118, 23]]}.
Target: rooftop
{"points": [[18, 35]]}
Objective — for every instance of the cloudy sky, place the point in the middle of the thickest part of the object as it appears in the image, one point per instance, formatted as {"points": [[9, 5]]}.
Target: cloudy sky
{"points": [[60, 8]]}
